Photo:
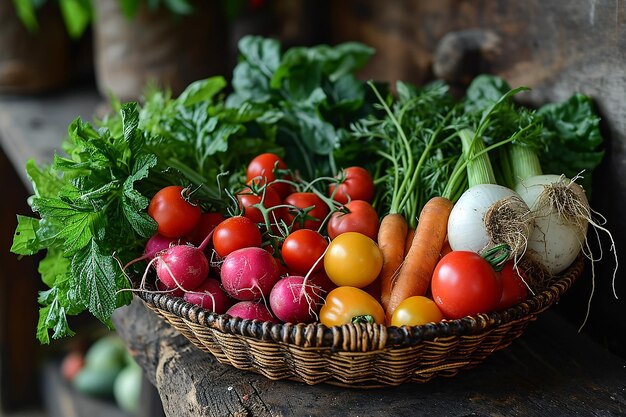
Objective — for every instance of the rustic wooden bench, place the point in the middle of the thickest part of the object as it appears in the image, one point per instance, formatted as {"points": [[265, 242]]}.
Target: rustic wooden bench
{"points": [[552, 370]]}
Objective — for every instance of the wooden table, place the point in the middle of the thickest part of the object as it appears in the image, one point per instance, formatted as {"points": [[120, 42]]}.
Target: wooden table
{"points": [[551, 371]]}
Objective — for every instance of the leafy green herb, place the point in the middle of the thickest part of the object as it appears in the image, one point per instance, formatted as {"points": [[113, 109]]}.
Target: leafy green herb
{"points": [[416, 141], [78, 14], [564, 139], [571, 132], [81, 199], [312, 93], [92, 201]]}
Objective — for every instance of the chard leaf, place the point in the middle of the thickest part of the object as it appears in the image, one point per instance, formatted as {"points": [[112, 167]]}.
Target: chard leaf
{"points": [[318, 136], [347, 58], [484, 91], [260, 57], [202, 90], [313, 88], [571, 132], [347, 95], [334, 62]]}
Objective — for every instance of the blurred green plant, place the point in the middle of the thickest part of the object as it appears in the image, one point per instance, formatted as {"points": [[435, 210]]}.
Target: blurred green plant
{"points": [[78, 14]]}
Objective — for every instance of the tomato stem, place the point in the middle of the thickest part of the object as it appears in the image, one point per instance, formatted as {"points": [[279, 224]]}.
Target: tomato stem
{"points": [[365, 319]]}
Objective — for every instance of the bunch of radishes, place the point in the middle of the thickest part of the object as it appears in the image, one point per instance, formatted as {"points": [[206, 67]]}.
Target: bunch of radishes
{"points": [[266, 260]]}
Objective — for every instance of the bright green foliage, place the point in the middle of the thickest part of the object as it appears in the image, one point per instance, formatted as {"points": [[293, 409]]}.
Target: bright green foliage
{"points": [[312, 95], [305, 104]]}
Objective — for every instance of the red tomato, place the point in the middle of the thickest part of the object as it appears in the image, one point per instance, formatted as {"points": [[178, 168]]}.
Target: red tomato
{"points": [[264, 167], [320, 279], [247, 200], [174, 214], [208, 222], [514, 290], [357, 185], [234, 233], [302, 249], [464, 283], [318, 210], [360, 217]]}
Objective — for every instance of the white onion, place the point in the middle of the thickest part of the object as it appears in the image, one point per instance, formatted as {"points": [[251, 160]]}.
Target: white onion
{"points": [[561, 213], [487, 215]]}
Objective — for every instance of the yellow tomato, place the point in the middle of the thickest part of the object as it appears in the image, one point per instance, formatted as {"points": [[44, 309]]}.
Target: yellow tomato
{"points": [[353, 259], [415, 311], [350, 305]]}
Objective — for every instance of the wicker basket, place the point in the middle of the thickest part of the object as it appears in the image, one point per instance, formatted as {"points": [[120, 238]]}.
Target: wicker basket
{"points": [[355, 355]]}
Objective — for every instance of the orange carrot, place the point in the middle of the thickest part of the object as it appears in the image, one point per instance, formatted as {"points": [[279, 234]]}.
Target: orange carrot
{"points": [[408, 241], [418, 266], [445, 249], [391, 237]]}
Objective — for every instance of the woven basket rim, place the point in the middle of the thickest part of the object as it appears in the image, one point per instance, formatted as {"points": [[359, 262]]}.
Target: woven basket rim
{"points": [[361, 337]]}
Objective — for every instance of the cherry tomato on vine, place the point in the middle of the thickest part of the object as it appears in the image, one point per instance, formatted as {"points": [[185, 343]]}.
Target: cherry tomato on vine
{"points": [[234, 233], [314, 217], [302, 249], [415, 311], [353, 259], [346, 304], [514, 289], [174, 214], [263, 167], [357, 185], [464, 283], [360, 217], [247, 199]]}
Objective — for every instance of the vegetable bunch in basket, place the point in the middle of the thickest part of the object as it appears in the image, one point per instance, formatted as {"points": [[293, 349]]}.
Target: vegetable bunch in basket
{"points": [[309, 195]]}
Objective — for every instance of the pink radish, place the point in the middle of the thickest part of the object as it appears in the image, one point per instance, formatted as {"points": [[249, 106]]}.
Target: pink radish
{"points": [[294, 300], [209, 295], [251, 310], [182, 266], [174, 292], [156, 244], [249, 273]]}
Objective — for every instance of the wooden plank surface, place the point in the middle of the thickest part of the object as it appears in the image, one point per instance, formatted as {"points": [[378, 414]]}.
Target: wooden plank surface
{"points": [[34, 126], [551, 371]]}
